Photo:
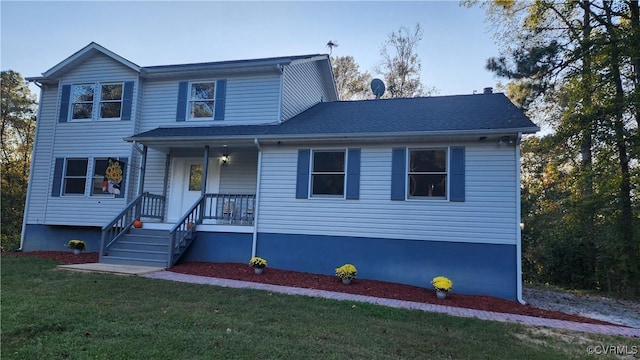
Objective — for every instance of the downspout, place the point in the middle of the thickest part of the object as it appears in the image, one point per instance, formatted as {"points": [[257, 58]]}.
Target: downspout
{"points": [[256, 206], [143, 167], [29, 183], [518, 226], [281, 68]]}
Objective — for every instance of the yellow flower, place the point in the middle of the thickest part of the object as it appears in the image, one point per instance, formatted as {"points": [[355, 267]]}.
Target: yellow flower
{"points": [[258, 262], [346, 271], [77, 244], [441, 283]]}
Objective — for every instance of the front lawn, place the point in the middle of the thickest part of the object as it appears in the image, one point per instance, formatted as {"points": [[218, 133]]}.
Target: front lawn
{"points": [[48, 314]]}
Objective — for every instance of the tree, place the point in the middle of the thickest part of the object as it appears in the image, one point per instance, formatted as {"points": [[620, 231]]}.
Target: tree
{"points": [[574, 61], [16, 141], [350, 82], [400, 64]]}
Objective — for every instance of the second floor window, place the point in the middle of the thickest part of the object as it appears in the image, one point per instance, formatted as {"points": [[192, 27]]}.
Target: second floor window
{"points": [[110, 100], [96, 101], [201, 100], [82, 101]]}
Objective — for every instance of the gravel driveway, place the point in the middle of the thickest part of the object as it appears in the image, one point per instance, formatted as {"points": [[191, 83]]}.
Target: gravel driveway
{"points": [[617, 311]]}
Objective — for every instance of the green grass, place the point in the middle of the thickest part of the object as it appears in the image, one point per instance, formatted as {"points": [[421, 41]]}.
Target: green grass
{"points": [[49, 314]]}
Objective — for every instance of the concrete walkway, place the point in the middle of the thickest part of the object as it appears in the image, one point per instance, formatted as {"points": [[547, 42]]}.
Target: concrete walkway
{"points": [[160, 273], [111, 269], [455, 311]]}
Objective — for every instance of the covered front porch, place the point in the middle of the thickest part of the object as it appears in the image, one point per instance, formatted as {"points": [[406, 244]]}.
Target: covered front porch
{"points": [[183, 190]]}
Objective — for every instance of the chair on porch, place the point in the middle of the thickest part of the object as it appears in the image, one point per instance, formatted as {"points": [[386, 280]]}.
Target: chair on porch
{"points": [[248, 213], [228, 210]]}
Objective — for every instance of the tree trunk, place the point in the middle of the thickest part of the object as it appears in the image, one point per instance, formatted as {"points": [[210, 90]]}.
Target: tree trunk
{"points": [[587, 128], [628, 265], [634, 8]]}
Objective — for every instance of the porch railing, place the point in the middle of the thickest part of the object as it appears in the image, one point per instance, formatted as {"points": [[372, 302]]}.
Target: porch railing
{"points": [[153, 206], [146, 205], [183, 232], [237, 209]]}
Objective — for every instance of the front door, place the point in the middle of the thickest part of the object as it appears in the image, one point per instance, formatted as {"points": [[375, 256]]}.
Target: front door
{"points": [[186, 184]]}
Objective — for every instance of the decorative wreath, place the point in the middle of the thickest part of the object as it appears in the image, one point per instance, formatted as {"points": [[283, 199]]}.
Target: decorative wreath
{"points": [[114, 171]]}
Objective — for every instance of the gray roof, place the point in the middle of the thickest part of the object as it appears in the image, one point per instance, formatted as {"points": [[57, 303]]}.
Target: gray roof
{"points": [[459, 114]]}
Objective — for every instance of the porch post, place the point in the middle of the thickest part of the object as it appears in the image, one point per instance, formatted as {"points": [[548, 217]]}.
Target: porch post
{"points": [[143, 167], [205, 169], [165, 185]]}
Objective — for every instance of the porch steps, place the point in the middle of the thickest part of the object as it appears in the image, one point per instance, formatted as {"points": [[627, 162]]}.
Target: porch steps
{"points": [[142, 247]]}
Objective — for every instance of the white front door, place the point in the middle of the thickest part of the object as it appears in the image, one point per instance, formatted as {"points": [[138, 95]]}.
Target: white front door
{"points": [[186, 184]]}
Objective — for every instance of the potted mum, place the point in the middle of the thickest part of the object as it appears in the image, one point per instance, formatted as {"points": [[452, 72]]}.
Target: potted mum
{"points": [[346, 273], [442, 286], [77, 246], [258, 264]]}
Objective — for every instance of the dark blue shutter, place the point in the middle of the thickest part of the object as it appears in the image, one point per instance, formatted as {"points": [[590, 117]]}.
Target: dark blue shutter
{"points": [[302, 182], [57, 177], [398, 173], [221, 94], [123, 186], [63, 114], [181, 111], [353, 174], [127, 100], [456, 182]]}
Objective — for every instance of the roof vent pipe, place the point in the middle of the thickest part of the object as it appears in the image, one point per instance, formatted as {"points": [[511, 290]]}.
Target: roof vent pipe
{"points": [[488, 90]]}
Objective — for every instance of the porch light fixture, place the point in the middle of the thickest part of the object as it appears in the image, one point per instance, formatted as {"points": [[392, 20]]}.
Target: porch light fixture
{"points": [[225, 158]]}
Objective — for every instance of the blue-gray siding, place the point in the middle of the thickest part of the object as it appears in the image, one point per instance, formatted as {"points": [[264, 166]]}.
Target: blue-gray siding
{"points": [[249, 100], [488, 214], [83, 139], [303, 87]]}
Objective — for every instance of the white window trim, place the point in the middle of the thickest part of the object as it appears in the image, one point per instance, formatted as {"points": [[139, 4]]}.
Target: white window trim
{"points": [[447, 173], [344, 172], [189, 100], [97, 95]]}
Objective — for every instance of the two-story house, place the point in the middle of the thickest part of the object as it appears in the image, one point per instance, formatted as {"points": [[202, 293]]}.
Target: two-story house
{"points": [[225, 160]]}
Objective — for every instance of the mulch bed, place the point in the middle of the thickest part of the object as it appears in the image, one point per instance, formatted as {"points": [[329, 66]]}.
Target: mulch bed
{"points": [[374, 288]]}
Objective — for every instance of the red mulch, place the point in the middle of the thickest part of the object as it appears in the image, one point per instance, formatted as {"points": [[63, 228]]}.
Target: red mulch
{"points": [[374, 288]]}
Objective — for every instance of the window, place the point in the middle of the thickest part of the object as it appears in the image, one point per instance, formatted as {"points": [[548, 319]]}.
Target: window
{"points": [[75, 176], [100, 185], [110, 101], [82, 101], [427, 175], [328, 173], [195, 178], [104, 176], [201, 100], [107, 176], [96, 101]]}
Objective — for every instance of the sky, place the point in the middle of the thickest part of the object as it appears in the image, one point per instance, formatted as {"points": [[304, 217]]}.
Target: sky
{"points": [[35, 36]]}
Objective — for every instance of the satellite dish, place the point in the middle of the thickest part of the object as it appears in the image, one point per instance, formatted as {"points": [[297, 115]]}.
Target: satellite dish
{"points": [[377, 86]]}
